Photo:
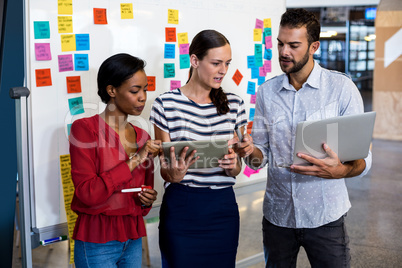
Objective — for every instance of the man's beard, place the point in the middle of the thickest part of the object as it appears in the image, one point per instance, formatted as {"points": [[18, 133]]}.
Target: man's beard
{"points": [[297, 66]]}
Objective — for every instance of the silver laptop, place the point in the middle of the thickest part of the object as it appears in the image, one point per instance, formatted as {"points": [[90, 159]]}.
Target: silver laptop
{"points": [[348, 136]]}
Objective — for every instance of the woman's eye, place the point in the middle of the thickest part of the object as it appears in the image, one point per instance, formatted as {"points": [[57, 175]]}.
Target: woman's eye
{"points": [[215, 63]]}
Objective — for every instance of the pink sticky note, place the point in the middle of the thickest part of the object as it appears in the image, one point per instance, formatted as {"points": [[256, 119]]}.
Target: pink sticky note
{"points": [[42, 51], [259, 24], [66, 63], [252, 99], [262, 71], [184, 49], [268, 41], [175, 84], [267, 66], [248, 171]]}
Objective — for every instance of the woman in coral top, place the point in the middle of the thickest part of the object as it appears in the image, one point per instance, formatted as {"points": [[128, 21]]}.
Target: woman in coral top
{"points": [[109, 154]]}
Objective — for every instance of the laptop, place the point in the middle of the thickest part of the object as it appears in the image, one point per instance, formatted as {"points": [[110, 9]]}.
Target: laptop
{"points": [[348, 136]]}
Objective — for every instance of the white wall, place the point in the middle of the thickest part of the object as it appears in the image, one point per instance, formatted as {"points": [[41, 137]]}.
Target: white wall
{"points": [[326, 3]]}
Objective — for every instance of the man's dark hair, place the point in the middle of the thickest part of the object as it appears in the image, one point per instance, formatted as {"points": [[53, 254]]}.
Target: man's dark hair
{"points": [[299, 17]]}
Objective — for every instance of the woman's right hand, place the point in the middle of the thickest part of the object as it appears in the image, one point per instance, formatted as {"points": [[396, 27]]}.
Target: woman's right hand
{"points": [[176, 169]]}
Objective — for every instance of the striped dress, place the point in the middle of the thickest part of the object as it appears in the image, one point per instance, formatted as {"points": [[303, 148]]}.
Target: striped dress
{"points": [[184, 119]]}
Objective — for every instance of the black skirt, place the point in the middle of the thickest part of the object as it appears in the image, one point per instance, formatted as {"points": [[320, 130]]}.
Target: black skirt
{"points": [[199, 227]]}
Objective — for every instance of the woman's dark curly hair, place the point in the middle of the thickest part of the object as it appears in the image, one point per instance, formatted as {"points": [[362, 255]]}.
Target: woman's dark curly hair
{"points": [[115, 70], [200, 45], [299, 17]]}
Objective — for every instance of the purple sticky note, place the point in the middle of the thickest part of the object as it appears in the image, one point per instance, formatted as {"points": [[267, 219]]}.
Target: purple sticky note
{"points": [[184, 49], [262, 71], [248, 171], [268, 41], [42, 51], [252, 98], [267, 66], [175, 84], [259, 24], [66, 63]]}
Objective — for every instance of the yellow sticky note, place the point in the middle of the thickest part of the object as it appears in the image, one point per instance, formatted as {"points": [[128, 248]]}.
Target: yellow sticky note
{"points": [[68, 42], [65, 7], [65, 24], [267, 23], [257, 35], [182, 38], [127, 11], [173, 16]]}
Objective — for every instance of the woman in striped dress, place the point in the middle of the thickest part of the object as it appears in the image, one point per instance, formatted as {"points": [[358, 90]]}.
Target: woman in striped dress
{"points": [[199, 217]]}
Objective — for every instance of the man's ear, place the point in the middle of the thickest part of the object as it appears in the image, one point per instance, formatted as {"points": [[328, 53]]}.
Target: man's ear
{"points": [[314, 47], [111, 90]]}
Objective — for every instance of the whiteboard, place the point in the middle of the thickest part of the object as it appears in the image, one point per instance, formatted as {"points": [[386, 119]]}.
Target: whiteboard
{"points": [[142, 36]]}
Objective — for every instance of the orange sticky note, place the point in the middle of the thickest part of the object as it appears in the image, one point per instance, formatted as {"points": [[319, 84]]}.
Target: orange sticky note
{"points": [[151, 83], [170, 34], [249, 127], [100, 16], [73, 84], [43, 77], [237, 77]]}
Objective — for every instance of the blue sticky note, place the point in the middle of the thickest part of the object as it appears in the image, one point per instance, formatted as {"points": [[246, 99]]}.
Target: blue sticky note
{"points": [[252, 112], [76, 106], [69, 129], [255, 73], [170, 51], [251, 88], [250, 61], [261, 79], [268, 54], [184, 61], [41, 30], [168, 70], [82, 41], [258, 55], [81, 62]]}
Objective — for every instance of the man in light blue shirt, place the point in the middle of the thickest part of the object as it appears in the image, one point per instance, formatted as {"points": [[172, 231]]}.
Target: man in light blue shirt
{"points": [[303, 205]]}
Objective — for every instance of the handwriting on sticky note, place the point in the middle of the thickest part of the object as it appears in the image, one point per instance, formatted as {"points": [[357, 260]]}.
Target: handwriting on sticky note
{"points": [[173, 16], [267, 23], [151, 83], [170, 34], [169, 51], [261, 80], [168, 70], [43, 77], [253, 98], [65, 24], [42, 51], [41, 30], [268, 54], [257, 35], [184, 48], [182, 38], [68, 42], [126, 11], [65, 7], [82, 41], [258, 55], [267, 66], [175, 84], [100, 16], [268, 41], [76, 106], [255, 72], [65, 63], [81, 62], [251, 88], [259, 24], [73, 84], [262, 73], [184, 61], [237, 77]]}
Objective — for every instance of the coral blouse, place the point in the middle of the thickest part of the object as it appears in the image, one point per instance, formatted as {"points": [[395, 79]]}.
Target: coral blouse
{"points": [[99, 173]]}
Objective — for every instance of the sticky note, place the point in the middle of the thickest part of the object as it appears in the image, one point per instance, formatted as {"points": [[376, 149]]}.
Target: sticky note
{"points": [[183, 38], [65, 7], [262, 71], [257, 35], [151, 83], [268, 41], [65, 63], [252, 99], [175, 84], [169, 51], [258, 55], [69, 129], [268, 54], [76, 106], [65, 24], [127, 11], [267, 32], [184, 48], [261, 79], [168, 70], [250, 61], [250, 88], [255, 72], [41, 30], [184, 61], [267, 23], [81, 62], [267, 66], [82, 42], [73, 84], [100, 16], [43, 77], [252, 112], [173, 16], [248, 171], [68, 42], [42, 51], [170, 34], [237, 77], [259, 24], [249, 127]]}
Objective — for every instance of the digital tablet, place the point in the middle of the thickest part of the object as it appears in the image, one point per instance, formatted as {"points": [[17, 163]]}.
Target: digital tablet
{"points": [[209, 151], [348, 136]]}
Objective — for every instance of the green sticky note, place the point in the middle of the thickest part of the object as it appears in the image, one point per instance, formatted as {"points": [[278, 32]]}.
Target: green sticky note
{"points": [[169, 71], [41, 30], [184, 61], [76, 106], [258, 55]]}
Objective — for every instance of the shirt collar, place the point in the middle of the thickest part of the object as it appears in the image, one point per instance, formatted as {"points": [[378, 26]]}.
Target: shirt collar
{"points": [[313, 80]]}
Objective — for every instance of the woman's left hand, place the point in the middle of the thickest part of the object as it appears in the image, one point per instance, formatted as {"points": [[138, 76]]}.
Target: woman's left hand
{"points": [[147, 196]]}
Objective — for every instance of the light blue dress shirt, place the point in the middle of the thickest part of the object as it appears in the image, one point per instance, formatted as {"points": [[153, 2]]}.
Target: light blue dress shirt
{"points": [[293, 200]]}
